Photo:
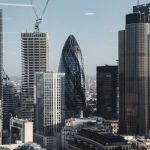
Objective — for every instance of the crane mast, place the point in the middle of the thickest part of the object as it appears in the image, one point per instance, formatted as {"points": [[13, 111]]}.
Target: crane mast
{"points": [[38, 18]]}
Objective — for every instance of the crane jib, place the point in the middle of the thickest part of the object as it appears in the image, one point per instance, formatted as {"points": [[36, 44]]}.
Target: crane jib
{"points": [[38, 17]]}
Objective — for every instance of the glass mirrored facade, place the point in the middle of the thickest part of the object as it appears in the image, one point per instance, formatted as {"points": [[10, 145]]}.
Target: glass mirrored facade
{"points": [[134, 74], [107, 91], [71, 63]]}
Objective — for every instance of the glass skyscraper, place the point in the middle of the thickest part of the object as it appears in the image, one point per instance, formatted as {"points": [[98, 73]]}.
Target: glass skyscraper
{"points": [[134, 72], [9, 103], [107, 92], [71, 63]]}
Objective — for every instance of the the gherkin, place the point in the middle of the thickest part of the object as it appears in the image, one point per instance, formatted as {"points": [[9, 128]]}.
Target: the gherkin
{"points": [[71, 63]]}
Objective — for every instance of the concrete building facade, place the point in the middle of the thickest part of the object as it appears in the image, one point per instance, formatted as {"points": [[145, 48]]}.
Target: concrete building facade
{"points": [[34, 59]]}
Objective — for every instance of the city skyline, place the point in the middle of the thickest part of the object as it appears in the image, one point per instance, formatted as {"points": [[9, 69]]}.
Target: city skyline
{"points": [[87, 20]]}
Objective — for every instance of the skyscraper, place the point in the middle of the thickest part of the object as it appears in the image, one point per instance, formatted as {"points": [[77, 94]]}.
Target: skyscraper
{"points": [[107, 87], [34, 59], [71, 63], [50, 98], [134, 72], [9, 104], [1, 70]]}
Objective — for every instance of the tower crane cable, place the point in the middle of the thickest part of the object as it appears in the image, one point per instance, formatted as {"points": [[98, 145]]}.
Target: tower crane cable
{"points": [[39, 18], [45, 7], [34, 9]]}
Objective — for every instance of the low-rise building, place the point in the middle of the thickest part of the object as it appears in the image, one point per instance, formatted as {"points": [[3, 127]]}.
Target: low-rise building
{"points": [[21, 130], [94, 139], [74, 124], [30, 146]]}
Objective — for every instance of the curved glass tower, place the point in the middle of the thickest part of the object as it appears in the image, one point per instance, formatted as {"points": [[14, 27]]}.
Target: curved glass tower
{"points": [[71, 63]]}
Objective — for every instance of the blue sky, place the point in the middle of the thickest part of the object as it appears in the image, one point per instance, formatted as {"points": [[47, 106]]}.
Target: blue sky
{"points": [[96, 33]]}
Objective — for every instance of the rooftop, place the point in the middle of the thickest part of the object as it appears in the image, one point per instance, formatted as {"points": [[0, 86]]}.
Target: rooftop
{"points": [[104, 138]]}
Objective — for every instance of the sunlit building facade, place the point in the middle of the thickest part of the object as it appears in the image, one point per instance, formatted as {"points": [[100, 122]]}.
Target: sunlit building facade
{"points": [[134, 72], [49, 114]]}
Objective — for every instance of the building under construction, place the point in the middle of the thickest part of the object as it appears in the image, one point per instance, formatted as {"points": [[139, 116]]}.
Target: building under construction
{"points": [[34, 59]]}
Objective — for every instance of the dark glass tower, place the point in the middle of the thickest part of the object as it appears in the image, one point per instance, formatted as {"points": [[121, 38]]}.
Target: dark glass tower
{"points": [[134, 73], [107, 92], [71, 63], [9, 103]]}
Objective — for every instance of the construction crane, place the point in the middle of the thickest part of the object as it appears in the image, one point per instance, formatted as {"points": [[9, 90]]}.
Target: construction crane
{"points": [[38, 18]]}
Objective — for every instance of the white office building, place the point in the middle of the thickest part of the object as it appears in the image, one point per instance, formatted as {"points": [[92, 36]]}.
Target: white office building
{"points": [[49, 99]]}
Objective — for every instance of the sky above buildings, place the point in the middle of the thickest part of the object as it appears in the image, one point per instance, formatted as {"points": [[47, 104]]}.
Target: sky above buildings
{"points": [[94, 23]]}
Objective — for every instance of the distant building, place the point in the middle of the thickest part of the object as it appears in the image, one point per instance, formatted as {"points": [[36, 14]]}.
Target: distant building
{"points": [[22, 146], [9, 104], [138, 142], [134, 83], [21, 130], [18, 104], [107, 91], [30, 146], [10, 146], [34, 59], [91, 138], [71, 63], [50, 99]]}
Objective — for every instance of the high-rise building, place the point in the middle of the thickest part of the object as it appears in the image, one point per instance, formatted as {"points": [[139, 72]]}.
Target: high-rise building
{"points": [[9, 104], [34, 59], [50, 99], [107, 95], [71, 63], [134, 72], [1, 70]]}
